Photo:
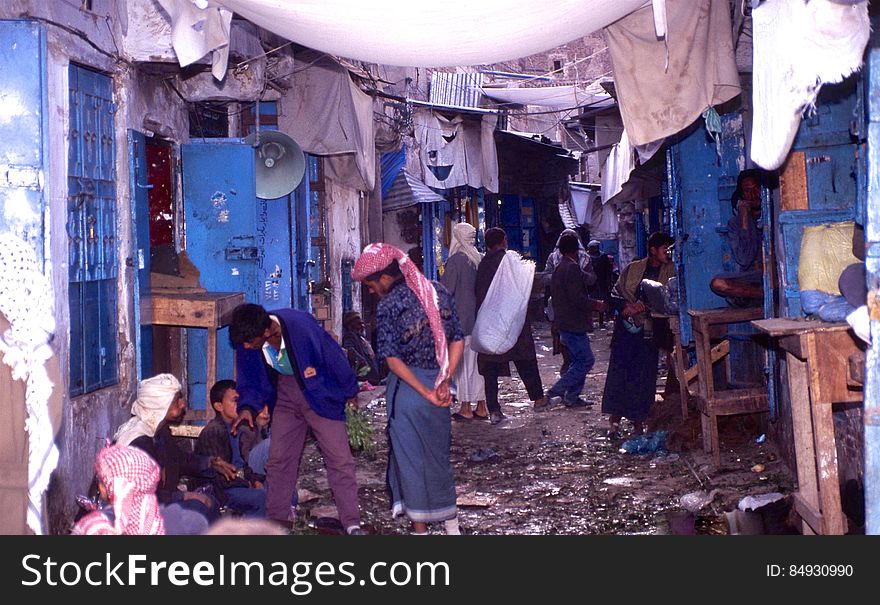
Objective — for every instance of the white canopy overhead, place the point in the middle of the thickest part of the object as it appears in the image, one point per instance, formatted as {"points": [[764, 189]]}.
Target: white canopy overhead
{"points": [[562, 97], [418, 33]]}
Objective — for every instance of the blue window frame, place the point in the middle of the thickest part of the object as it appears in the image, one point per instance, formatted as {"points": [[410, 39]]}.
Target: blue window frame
{"points": [[91, 230]]}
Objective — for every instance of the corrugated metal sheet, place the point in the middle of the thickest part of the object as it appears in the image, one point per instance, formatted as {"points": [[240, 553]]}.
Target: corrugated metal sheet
{"points": [[567, 216], [459, 89], [408, 190]]}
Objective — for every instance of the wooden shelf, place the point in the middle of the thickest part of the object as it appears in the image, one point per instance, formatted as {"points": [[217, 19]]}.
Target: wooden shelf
{"points": [[207, 310]]}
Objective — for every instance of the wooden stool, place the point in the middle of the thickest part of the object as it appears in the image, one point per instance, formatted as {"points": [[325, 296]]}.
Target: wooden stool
{"points": [[709, 324]]}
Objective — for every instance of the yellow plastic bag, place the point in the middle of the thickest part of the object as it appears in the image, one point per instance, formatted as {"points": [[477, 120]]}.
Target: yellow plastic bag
{"points": [[826, 250]]}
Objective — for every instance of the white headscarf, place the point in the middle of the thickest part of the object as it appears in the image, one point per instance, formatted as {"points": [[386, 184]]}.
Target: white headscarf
{"points": [[155, 396], [463, 237], [556, 256]]}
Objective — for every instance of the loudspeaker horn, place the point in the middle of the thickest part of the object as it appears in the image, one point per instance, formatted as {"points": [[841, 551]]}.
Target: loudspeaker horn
{"points": [[280, 163]]}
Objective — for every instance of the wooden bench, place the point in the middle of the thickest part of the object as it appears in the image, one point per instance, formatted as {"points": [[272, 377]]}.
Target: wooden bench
{"points": [[686, 375]]}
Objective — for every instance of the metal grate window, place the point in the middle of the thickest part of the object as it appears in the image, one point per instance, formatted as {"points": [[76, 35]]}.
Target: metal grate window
{"points": [[91, 230]]}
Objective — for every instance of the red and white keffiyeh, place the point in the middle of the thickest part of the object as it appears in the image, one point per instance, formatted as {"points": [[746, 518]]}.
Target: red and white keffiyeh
{"points": [[131, 478], [376, 257]]}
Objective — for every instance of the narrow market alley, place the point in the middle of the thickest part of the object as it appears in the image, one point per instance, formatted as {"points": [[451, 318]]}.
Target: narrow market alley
{"points": [[557, 473]]}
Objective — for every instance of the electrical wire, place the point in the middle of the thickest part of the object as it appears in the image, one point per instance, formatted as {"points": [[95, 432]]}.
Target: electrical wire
{"points": [[82, 35], [265, 54]]}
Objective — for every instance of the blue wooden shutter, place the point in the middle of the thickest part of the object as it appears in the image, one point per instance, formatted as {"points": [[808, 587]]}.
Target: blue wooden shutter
{"points": [[91, 225]]}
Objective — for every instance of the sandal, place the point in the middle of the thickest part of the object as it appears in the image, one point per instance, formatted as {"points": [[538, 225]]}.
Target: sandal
{"points": [[459, 418], [613, 433], [479, 417]]}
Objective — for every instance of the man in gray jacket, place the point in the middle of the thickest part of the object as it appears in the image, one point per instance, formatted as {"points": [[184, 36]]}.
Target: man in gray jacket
{"points": [[572, 309]]}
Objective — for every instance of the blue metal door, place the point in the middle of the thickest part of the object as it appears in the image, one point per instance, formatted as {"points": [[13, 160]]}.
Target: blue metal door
{"points": [[871, 412], [140, 212], [301, 246], [23, 130], [275, 264], [701, 185], [220, 206], [517, 215]]}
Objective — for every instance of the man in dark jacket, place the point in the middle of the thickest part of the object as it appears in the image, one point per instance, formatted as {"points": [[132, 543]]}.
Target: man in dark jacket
{"points": [[243, 493], [522, 354], [572, 308], [603, 266], [287, 360]]}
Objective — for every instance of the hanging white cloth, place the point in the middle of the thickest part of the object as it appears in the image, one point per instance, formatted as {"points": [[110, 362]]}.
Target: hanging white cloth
{"points": [[617, 167], [798, 47], [562, 97], [198, 29], [27, 301]]}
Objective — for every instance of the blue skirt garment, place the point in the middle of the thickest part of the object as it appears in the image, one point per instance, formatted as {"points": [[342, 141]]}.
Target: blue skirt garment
{"points": [[419, 470]]}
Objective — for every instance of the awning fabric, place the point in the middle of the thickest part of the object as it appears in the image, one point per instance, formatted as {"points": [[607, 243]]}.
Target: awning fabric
{"points": [[426, 34], [562, 97], [663, 86], [329, 115], [457, 151], [407, 190], [390, 166]]}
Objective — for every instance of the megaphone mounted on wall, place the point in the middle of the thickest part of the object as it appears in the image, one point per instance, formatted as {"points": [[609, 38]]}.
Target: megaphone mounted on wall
{"points": [[280, 163]]}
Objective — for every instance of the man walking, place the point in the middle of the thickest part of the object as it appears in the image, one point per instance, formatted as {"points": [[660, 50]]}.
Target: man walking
{"points": [[572, 308], [287, 360], [522, 354]]}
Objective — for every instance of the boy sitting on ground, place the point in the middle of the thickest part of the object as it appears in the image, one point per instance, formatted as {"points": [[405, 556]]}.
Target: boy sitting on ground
{"points": [[244, 493]]}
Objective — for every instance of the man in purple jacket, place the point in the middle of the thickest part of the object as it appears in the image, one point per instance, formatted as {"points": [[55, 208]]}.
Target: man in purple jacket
{"points": [[287, 360]]}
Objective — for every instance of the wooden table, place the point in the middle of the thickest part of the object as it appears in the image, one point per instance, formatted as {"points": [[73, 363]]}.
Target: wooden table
{"points": [[209, 310], [709, 324], [817, 358]]}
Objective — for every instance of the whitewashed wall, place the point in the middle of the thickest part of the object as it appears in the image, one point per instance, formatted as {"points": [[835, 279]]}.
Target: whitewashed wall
{"points": [[343, 222]]}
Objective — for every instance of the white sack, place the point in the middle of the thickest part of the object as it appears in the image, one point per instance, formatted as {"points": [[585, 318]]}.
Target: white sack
{"points": [[503, 312]]}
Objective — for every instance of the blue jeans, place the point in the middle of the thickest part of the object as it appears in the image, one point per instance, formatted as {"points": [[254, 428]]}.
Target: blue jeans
{"points": [[182, 519], [570, 384], [257, 461], [258, 456], [249, 501]]}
